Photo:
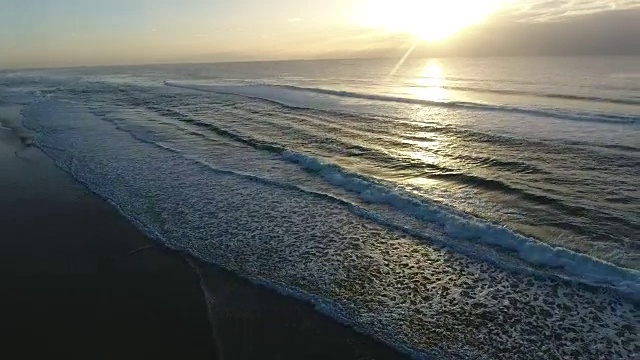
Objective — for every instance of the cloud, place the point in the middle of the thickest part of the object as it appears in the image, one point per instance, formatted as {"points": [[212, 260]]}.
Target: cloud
{"points": [[523, 27], [557, 10], [611, 32]]}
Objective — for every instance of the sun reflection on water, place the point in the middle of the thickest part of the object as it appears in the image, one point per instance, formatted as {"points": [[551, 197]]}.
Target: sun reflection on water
{"points": [[425, 149], [430, 82]]}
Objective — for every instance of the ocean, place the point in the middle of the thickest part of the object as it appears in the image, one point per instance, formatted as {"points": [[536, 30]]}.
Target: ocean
{"points": [[455, 207]]}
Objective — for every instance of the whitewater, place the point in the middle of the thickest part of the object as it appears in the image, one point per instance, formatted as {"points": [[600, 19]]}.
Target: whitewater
{"points": [[463, 216]]}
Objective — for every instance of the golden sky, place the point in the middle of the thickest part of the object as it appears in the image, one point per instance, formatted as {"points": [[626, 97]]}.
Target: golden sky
{"points": [[104, 32]]}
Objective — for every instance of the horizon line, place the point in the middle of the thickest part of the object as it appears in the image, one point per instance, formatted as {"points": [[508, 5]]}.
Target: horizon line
{"points": [[186, 62]]}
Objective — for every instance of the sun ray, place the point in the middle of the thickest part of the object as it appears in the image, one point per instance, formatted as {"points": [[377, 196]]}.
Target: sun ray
{"points": [[404, 58]]}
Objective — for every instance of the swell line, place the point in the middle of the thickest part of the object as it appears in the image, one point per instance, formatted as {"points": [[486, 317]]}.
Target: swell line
{"points": [[447, 223], [541, 94], [582, 268], [556, 114], [431, 171], [588, 117]]}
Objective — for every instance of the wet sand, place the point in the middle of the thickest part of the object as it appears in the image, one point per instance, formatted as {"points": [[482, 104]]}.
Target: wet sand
{"points": [[80, 281]]}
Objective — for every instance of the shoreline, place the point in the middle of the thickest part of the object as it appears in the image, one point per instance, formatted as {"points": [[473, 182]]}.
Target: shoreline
{"points": [[84, 281]]}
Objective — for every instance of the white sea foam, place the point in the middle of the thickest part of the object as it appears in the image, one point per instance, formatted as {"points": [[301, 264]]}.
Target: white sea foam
{"points": [[420, 299], [459, 226], [582, 267]]}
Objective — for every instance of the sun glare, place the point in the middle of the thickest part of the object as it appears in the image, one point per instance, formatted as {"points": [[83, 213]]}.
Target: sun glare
{"points": [[430, 82], [429, 20]]}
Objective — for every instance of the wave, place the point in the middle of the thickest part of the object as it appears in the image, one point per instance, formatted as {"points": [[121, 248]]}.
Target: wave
{"points": [[266, 92], [619, 101], [453, 225], [90, 155], [619, 147], [325, 305], [459, 226], [354, 208], [447, 222], [433, 171], [589, 117], [510, 165]]}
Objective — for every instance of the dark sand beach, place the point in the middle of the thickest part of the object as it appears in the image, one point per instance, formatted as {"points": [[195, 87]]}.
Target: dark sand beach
{"points": [[81, 282]]}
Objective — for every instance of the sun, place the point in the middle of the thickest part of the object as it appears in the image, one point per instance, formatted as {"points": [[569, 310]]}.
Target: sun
{"points": [[429, 20]]}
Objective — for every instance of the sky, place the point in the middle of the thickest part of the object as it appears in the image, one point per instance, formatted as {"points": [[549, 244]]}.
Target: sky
{"points": [[51, 33]]}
